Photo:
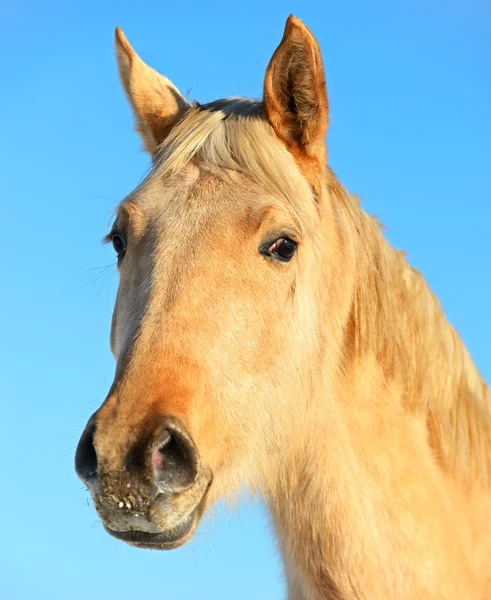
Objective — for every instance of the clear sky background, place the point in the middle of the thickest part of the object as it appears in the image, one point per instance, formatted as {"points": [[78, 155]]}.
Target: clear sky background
{"points": [[410, 93]]}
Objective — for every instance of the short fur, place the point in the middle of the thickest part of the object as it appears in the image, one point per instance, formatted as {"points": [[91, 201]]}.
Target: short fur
{"points": [[332, 385]]}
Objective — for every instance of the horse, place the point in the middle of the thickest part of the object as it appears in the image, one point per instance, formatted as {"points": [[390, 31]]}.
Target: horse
{"points": [[267, 337]]}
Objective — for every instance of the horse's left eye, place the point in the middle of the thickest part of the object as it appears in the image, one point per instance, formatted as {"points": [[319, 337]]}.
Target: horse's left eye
{"points": [[282, 249]]}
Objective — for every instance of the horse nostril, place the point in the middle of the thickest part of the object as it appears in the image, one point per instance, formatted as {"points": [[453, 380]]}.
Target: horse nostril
{"points": [[174, 459], [86, 456], [159, 455]]}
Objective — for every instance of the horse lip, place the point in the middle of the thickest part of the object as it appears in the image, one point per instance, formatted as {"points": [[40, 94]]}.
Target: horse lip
{"points": [[164, 540]]}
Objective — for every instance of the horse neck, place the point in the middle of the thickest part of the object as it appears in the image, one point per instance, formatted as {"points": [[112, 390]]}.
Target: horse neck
{"points": [[361, 490], [398, 325]]}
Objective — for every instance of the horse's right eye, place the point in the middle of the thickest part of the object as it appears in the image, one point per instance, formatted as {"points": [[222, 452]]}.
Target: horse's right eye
{"points": [[119, 245]]}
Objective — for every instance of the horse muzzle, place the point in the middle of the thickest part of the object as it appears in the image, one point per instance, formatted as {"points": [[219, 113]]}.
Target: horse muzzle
{"points": [[156, 498]]}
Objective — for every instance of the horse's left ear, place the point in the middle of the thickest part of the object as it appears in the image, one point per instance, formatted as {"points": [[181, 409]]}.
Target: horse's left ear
{"points": [[295, 98]]}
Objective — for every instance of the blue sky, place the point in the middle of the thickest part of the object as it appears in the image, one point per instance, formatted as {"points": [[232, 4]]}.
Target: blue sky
{"points": [[410, 94]]}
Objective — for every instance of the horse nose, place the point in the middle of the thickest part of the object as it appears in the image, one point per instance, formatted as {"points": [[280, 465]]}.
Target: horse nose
{"points": [[86, 456], [174, 458]]}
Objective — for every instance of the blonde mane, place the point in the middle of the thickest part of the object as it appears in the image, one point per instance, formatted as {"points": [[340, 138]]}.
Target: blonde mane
{"points": [[395, 316], [231, 134], [408, 332]]}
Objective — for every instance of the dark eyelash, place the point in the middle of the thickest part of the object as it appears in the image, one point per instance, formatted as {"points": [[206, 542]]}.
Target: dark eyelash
{"points": [[107, 239]]}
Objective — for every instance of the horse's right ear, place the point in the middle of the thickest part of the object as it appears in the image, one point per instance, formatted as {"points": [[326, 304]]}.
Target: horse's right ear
{"points": [[157, 104]]}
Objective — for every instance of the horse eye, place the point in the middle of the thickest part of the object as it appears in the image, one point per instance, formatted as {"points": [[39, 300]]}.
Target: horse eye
{"points": [[282, 249], [118, 245]]}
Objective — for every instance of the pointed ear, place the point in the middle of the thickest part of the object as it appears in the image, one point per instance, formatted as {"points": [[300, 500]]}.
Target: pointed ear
{"points": [[157, 104], [295, 99]]}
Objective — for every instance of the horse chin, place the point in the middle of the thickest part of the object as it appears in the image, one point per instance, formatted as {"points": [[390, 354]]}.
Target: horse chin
{"points": [[166, 522], [162, 540]]}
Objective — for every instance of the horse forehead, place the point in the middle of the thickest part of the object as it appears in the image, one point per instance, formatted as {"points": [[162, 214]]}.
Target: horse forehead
{"points": [[202, 200], [190, 228]]}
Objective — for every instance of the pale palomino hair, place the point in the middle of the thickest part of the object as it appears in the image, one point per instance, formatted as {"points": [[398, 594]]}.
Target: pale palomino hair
{"points": [[268, 336]]}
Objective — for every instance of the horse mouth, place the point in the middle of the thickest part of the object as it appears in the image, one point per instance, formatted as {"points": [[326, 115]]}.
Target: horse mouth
{"points": [[163, 529], [164, 540]]}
